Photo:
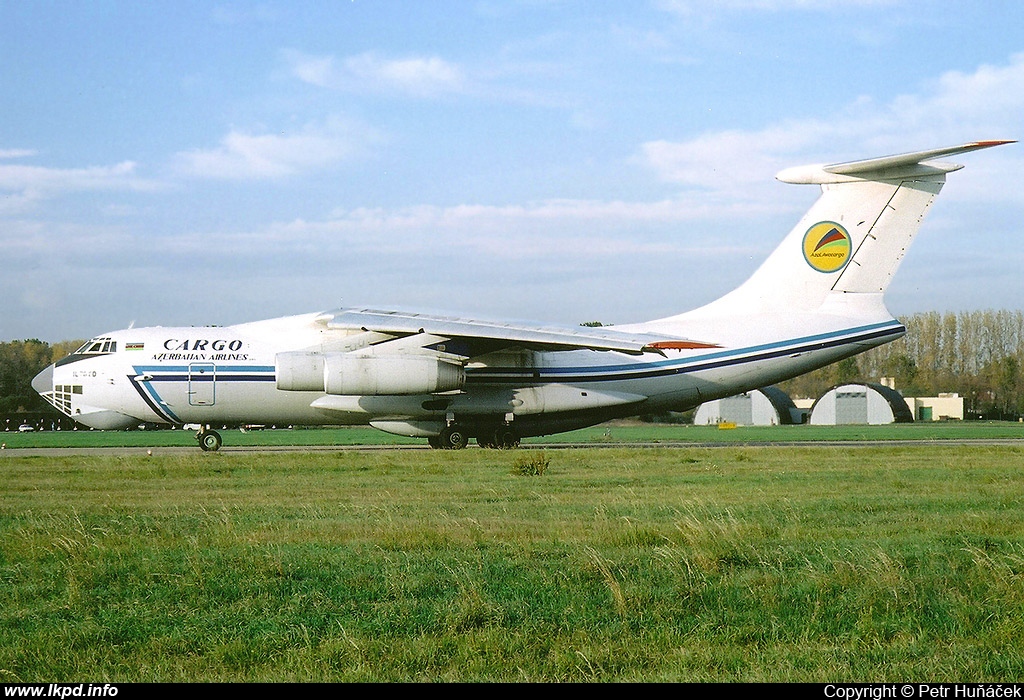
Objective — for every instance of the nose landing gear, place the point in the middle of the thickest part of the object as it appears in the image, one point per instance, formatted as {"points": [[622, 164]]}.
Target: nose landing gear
{"points": [[209, 440]]}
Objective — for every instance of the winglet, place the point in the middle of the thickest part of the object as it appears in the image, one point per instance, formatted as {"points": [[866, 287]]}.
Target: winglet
{"points": [[886, 167]]}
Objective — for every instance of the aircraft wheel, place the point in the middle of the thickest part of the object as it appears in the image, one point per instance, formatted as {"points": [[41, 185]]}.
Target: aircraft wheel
{"points": [[453, 438], [505, 438], [209, 441]]}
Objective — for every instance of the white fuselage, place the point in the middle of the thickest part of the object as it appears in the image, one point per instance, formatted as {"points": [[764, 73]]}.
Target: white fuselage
{"points": [[222, 376]]}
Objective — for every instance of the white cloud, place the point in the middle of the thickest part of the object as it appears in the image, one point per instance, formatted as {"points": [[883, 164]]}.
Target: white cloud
{"points": [[586, 230], [19, 177], [16, 153], [955, 108], [315, 70], [724, 160], [21, 186], [243, 155], [33, 241], [418, 76]]}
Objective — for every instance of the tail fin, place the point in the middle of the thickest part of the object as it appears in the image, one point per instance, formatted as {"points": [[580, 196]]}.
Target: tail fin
{"points": [[853, 238]]}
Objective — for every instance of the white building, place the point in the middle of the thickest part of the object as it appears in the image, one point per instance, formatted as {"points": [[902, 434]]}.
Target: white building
{"points": [[860, 404], [930, 408], [941, 407], [767, 406]]}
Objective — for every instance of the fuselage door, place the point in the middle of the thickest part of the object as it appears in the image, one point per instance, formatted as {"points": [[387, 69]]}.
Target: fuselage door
{"points": [[202, 384]]}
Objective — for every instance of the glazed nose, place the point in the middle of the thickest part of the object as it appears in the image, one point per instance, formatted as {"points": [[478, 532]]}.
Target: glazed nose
{"points": [[43, 382]]}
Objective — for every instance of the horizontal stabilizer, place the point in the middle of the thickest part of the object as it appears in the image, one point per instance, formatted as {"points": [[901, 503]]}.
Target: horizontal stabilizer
{"points": [[886, 167]]}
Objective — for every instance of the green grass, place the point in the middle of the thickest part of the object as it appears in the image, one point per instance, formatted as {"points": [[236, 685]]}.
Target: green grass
{"points": [[809, 563]]}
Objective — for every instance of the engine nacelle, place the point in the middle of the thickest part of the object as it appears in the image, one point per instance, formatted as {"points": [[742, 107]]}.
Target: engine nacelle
{"points": [[346, 374], [299, 371], [388, 375]]}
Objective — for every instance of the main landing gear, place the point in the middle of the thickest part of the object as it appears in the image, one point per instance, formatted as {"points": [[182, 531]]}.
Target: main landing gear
{"points": [[503, 437], [455, 437], [209, 440]]}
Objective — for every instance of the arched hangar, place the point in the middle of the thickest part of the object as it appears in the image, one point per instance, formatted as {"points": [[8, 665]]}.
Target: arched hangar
{"points": [[860, 404], [767, 406]]}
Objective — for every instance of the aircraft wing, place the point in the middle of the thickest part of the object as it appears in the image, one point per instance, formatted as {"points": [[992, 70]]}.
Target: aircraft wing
{"points": [[506, 334]]}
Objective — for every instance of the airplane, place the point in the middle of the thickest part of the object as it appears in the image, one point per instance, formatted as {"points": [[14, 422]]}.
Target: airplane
{"points": [[817, 299]]}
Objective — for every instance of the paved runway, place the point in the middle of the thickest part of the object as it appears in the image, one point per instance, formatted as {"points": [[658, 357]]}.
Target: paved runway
{"points": [[253, 449]]}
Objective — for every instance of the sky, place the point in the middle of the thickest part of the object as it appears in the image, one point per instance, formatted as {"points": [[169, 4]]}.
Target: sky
{"points": [[203, 163]]}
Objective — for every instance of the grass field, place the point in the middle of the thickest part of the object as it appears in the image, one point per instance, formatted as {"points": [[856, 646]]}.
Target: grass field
{"points": [[734, 563]]}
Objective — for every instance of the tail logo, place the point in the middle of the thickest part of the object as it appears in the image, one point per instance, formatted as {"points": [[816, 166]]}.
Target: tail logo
{"points": [[827, 246]]}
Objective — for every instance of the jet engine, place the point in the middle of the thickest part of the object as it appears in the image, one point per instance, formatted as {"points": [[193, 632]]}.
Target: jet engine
{"points": [[347, 374]]}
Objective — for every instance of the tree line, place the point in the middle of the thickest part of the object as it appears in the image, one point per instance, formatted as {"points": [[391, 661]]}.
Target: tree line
{"points": [[976, 354], [20, 361]]}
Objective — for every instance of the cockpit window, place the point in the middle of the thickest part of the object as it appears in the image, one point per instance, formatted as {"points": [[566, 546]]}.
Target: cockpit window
{"points": [[97, 346]]}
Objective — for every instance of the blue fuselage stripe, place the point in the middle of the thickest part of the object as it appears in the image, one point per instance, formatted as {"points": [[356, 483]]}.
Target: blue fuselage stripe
{"points": [[662, 368]]}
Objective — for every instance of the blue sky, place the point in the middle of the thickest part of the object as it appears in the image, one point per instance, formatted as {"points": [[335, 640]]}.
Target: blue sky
{"points": [[196, 163]]}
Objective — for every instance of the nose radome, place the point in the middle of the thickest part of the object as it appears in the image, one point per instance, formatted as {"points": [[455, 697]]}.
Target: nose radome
{"points": [[43, 382]]}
